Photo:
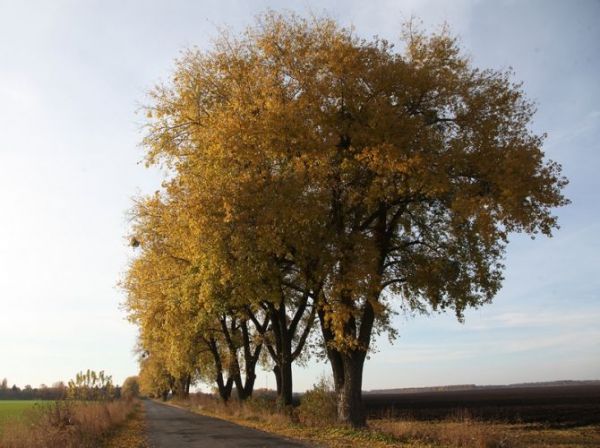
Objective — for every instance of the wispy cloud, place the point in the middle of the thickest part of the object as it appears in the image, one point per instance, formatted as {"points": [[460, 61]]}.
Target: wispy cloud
{"points": [[557, 320]]}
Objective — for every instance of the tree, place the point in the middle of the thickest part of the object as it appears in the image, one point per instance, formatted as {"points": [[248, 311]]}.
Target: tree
{"points": [[130, 388], [352, 174], [90, 385], [158, 299], [155, 380], [187, 289], [179, 327]]}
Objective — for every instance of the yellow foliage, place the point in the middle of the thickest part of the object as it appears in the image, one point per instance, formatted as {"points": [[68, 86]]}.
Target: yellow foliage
{"points": [[303, 155]]}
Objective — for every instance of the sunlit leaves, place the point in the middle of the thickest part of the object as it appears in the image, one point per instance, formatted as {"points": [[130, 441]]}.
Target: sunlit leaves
{"points": [[302, 158]]}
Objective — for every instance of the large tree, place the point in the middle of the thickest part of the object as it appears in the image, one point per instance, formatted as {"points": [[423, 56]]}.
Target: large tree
{"points": [[353, 173]]}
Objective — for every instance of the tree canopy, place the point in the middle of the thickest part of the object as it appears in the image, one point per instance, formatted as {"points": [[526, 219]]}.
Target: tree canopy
{"points": [[319, 177]]}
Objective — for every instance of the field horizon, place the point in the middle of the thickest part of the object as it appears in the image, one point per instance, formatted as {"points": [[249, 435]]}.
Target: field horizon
{"points": [[459, 387]]}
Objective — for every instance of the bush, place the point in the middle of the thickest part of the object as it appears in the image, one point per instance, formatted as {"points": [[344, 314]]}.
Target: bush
{"points": [[318, 406], [261, 404]]}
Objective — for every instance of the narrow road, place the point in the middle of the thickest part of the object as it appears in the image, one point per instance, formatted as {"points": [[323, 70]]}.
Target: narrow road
{"points": [[170, 427]]}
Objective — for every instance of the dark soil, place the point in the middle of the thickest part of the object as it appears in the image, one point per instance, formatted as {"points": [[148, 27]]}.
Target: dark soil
{"points": [[557, 406]]}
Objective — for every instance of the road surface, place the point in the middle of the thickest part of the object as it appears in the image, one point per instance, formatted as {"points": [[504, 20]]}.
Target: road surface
{"points": [[170, 427]]}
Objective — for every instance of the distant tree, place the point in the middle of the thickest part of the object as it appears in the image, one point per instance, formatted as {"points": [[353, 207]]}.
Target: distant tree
{"points": [[154, 379], [59, 390], [59, 385], [130, 388], [4, 384]]}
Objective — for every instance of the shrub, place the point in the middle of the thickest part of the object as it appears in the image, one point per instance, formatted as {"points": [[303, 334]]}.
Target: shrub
{"points": [[261, 404], [318, 405]]}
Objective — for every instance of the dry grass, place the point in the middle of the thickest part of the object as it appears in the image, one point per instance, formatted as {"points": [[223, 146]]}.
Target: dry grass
{"points": [[459, 432], [477, 434], [67, 424], [259, 408], [262, 413], [132, 434], [466, 433]]}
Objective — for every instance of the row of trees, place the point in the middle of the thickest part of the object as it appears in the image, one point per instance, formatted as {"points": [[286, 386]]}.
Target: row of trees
{"points": [[314, 180], [55, 392], [88, 385]]}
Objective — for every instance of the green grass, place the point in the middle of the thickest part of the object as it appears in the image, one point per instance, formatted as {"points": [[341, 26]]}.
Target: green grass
{"points": [[14, 409]]}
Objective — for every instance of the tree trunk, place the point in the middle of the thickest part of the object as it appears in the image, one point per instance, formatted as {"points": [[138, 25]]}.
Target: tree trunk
{"points": [[249, 385], [334, 356], [277, 372], [188, 385], [250, 360], [225, 388], [287, 392], [347, 369], [285, 334], [245, 388], [283, 353], [181, 388], [350, 407]]}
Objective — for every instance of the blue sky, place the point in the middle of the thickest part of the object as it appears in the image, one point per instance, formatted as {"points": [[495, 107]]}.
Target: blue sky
{"points": [[72, 75]]}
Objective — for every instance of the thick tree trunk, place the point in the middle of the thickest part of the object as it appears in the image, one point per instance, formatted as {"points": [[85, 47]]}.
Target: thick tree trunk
{"points": [[249, 385], [224, 388], [350, 407], [287, 391], [245, 388], [347, 369], [282, 353]]}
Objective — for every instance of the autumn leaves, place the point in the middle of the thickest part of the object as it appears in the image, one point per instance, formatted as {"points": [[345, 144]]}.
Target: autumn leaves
{"points": [[314, 181]]}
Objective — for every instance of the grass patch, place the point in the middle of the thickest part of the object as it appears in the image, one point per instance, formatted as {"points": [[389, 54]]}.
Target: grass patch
{"points": [[14, 410], [65, 424]]}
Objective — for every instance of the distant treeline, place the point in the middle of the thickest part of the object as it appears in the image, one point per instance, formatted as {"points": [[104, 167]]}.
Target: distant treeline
{"points": [[88, 385], [55, 392]]}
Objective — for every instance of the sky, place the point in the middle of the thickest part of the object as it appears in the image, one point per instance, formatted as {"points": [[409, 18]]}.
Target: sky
{"points": [[73, 75]]}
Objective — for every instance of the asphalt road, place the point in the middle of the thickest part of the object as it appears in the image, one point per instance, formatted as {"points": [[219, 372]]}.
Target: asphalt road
{"points": [[170, 427]]}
